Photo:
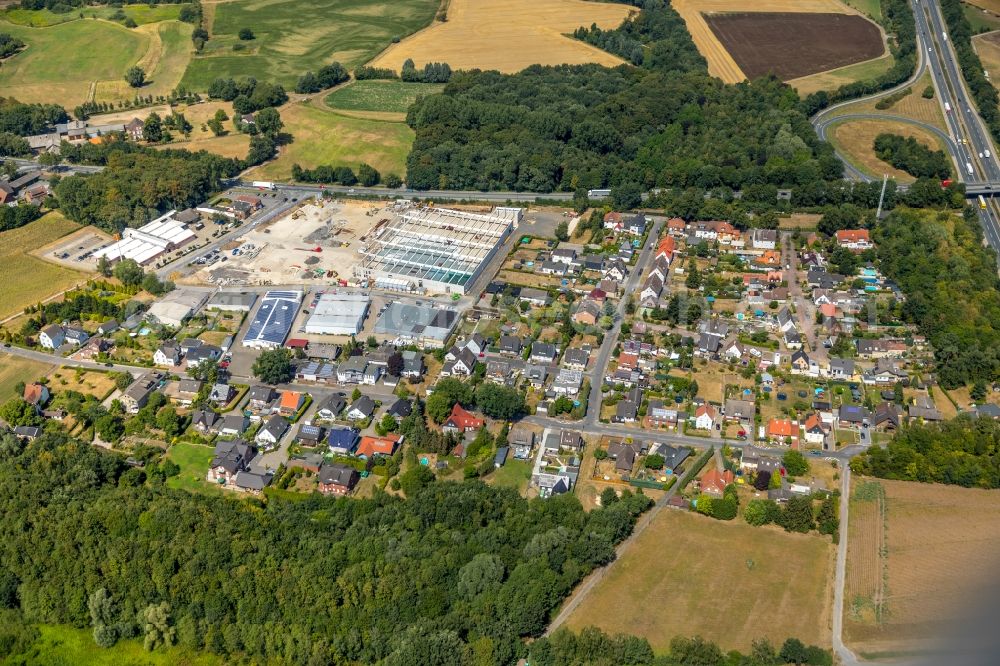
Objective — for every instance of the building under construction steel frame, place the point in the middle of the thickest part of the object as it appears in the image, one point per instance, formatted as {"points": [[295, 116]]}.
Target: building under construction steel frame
{"points": [[434, 250]]}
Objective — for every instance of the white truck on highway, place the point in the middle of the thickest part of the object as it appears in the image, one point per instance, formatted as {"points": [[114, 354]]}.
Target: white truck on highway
{"points": [[947, 107], [968, 167], [263, 184]]}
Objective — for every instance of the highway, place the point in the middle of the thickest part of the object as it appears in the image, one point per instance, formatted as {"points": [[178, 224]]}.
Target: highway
{"points": [[972, 140]]}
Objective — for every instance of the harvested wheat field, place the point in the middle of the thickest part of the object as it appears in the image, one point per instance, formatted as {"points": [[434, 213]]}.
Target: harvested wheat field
{"points": [[720, 62], [917, 553], [688, 575], [509, 35], [989, 5], [988, 48], [855, 140]]}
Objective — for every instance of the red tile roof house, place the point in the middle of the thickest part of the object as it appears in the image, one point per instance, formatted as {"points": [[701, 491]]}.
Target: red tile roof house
{"points": [[628, 361], [461, 421], [854, 239], [290, 402], [714, 482], [779, 431], [36, 395], [370, 447]]}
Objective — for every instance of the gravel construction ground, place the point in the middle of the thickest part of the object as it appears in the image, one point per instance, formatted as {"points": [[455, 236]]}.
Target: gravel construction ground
{"points": [[791, 45]]}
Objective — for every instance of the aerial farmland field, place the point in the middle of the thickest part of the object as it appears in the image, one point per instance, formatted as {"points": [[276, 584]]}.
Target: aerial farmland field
{"points": [[509, 35], [62, 62], [27, 279], [295, 36], [790, 45], [721, 62], [771, 583], [916, 555]]}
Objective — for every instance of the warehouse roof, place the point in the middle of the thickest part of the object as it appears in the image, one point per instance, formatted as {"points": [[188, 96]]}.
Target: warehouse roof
{"points": [[273, 320]]}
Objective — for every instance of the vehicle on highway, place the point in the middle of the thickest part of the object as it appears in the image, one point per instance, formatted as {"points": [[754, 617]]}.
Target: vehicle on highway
{"points": [[947, 106], [982, 202], [968, 167]]}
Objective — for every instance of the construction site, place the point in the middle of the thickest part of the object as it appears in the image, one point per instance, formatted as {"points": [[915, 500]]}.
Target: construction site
{"points": [[398, 247], [316, 244]]}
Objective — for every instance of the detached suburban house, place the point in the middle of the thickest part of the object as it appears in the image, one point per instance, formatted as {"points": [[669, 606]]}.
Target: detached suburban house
{"points": [[273, 430], [230, 458], [337, 479], [461, 421]]}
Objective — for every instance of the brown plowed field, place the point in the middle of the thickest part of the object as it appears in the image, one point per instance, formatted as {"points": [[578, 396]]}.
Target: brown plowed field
{"points": [[791, 45]]}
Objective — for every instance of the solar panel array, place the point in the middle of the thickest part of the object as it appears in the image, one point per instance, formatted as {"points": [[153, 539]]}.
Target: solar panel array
{"points": [[273, 320]]}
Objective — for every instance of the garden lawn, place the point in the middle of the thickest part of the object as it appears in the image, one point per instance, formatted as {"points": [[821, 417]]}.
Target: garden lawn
{"points": [[515, 474], [26, 279], [193, 459]]}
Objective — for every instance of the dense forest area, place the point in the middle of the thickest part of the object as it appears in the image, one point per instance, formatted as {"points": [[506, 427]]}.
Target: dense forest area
{"points": [[654, 38], [951, 287], [572, 127], [455, 574], [138, 183], [963, 452], [27, 119], [911, 156]]}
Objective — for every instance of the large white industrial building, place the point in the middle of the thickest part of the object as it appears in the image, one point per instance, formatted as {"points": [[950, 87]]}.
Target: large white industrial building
{"points": [[338, 313], [425, 249], [148, 242]]}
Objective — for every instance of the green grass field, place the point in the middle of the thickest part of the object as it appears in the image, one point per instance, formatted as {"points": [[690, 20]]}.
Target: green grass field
{"points": [[27, 279], [64, 645], [979, 20], [295, 36], [61, 61], [873, 8], [322, 136], [193, 460], [42, 18], [391, 96], [515, 474], [14, 369]]}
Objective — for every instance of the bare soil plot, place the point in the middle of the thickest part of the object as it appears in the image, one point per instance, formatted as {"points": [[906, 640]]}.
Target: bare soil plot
{"points": [[791, 45], [728, 582], [720, 62], [855, 139], [509, 35], [935, 552]]}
